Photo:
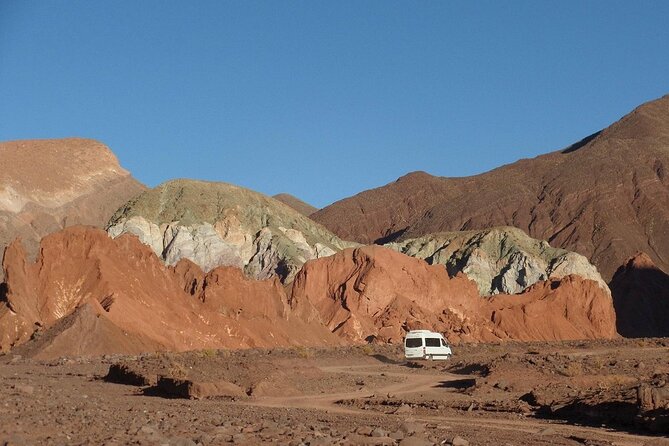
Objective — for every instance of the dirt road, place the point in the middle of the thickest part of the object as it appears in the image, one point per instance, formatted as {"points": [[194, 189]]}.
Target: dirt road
{"points": [[336, 396]]}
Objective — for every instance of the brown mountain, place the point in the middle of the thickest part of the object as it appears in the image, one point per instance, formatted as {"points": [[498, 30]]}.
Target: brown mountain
{"points": [[46, 185], [606, 197], [641, 298], [295, 203]]}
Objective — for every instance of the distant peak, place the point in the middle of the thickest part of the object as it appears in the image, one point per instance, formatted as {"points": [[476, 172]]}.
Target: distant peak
{"points": [[650, 119], [417, 175]]}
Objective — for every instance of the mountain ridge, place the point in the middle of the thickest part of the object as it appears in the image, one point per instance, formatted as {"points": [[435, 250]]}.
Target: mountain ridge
{"points": [[607, 199]]}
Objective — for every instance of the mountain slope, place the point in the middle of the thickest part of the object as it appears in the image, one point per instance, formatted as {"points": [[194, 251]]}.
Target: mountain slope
{"points": [[89, 294], [295, 203], [606, 197], [46, 185]]}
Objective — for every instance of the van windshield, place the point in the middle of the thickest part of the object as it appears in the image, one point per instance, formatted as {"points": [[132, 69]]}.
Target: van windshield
{"points": [[414, 342]]}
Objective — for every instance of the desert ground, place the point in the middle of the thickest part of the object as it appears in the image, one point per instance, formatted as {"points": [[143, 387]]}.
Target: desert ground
{"points": [[567, 393]]}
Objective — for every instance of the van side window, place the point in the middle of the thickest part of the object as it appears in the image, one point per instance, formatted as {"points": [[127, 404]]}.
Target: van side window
{"points": [[414, 342], [432, 342], [443, 343]]}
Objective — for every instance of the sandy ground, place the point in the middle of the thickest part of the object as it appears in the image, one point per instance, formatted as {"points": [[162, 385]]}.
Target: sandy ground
{"points": [[578, 393]]}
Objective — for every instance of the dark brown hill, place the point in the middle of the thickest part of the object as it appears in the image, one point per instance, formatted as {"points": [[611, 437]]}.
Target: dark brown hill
{"points": [[295, 203], [640, 293], [46, 185], [606, 197]]}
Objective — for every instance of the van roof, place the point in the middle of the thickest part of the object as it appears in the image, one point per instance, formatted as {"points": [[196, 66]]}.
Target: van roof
{"points": [[420, 332]]}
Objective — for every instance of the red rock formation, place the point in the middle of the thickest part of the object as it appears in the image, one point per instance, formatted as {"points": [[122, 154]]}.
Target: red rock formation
{"points": [[605, 197], [570, 308], [376, 293], [641, 298], [51, 184], [127, 286], [90, 294]]}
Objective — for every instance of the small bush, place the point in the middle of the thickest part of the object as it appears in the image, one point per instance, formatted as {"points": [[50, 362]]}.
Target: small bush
{"points": [[367, 349], [304, 352], [208, 353], [572, 368]]}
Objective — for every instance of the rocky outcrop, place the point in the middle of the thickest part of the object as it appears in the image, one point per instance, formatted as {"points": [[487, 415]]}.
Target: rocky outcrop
{"points": [[568, 308], [215, 224], [87, 294], [605, 197], [295, 203], [118, 288], [500, 260], [374, 293], [46, 185], [641, 298]]}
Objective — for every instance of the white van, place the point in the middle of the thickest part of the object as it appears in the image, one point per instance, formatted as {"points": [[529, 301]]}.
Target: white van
{"points": [[426, 344]]}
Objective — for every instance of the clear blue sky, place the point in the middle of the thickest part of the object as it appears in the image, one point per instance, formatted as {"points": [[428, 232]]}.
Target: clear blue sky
{"points": [[325, 99]]}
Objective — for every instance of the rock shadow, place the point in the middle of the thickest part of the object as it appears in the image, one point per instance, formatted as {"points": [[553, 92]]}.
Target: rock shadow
{"points": [[458, 384], [639, 296], [578, 145]]}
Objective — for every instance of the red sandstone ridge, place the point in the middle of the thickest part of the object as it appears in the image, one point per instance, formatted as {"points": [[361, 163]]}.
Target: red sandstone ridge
{"points": [[46, 185], [606, 197], [570, 308], [641, 297], [376, 293], [120, 290]]}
